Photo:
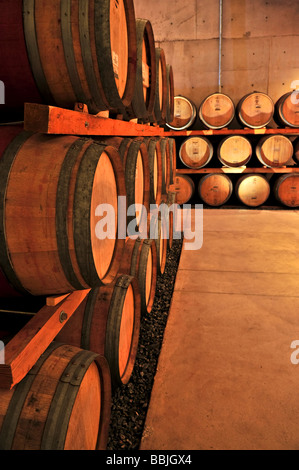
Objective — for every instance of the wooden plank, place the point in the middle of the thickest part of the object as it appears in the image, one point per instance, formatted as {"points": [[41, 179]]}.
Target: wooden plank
{"points": [[23, 351], [55, 300], [237, 170], [53, 120], [210, 132]]}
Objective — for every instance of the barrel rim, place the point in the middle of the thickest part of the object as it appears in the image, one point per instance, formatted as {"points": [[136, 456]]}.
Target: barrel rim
{"points": [[244, 177], [141, 109], [260, 145], [224, 176], [276, 188], [209, 145], [170, 93], [81, 218], [243, 121], [192, 119], [6, 163], [160, 108], [203, 119], [112, 338], [104, 55], [232, 165], [278, 108]]}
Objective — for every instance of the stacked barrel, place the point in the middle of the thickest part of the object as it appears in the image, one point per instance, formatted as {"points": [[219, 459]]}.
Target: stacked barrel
{"points": [[238, 151], [60, 193]]}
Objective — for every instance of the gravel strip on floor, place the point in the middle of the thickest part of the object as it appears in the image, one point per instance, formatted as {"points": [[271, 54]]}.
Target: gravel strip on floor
{"points": [[130, 403]]}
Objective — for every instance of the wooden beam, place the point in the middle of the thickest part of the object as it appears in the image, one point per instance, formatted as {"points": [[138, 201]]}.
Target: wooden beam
{"points": [[287, 131], [53, 120], [23, 351], [240, 170], [55, 300]]}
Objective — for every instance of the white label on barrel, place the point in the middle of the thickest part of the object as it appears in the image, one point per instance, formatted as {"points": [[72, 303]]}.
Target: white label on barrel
{"points": [[115, 63]]}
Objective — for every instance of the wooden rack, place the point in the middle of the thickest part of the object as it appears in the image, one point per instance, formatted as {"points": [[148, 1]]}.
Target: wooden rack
{"points": [[25, 348], [228, 132], [22, 352]]}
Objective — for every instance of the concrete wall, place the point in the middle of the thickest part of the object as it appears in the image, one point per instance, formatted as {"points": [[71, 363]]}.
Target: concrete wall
{"points": [[260, 44]]}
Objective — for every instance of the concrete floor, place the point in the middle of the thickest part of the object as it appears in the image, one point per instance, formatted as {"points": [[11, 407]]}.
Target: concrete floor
{"points": [[225, 378]]}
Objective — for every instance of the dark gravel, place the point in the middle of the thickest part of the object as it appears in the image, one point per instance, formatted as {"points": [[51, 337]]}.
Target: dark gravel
{"points": [[130, 402]]}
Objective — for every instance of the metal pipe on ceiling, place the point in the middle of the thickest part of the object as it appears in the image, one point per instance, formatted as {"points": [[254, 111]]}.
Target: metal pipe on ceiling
{"points": [[220, 44]]}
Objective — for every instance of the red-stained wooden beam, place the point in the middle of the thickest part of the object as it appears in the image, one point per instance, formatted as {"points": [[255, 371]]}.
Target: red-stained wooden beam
{"points": [[25, 348], [240, 170], [287, 131], [53, 120]]}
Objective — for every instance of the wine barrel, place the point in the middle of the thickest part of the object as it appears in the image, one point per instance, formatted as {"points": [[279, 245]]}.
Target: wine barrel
{"points": [[63, 403], [216, 111], [215, 189], [286, 190], [274, 151], [107, 322], [184, 188], [155, 168], [173, 159], [296, 150], [135, 159], [234, 151], [160, 106], [287, 110], [253, 190], [166, 166], [170, 93], [185, 114], [145, 89], [255, 110], [64, 52], [158, 231], [52, 192], [196, 152], [140, 260]]}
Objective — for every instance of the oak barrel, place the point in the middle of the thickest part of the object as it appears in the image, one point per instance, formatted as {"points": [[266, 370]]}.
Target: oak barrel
{"points": [[287, 110], [64, 52], [158, 225], [234, 151], [155, 169], [173, 159], [216, 111], [185, 114], [108, 323], [140, 260], [274, 151], [135, 160], [255, 110], [166, 165], [53, 189], [196, 152], [184, 188], [145, 88], [63, 403], [160, 106], [296, 149], [286, 190], [170, 93], [215, 189], [253, 190]]}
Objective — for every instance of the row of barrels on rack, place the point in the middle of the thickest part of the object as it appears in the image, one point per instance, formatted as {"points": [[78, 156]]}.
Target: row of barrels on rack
{"points": [[95, 53], [58, 193], [272, 151], [52, 190], [255, 110], [251, 190]]}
